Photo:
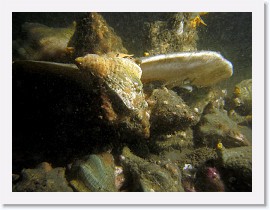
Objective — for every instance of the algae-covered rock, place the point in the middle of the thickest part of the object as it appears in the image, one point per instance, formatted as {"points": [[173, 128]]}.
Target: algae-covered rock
{"points": [[95, 173], [199, 98], [122, 99], [173, 35], [195, 165], [41, 42], [242, 100], [239, 119], [177, 140], [94, 35], [208, 179], [216, 126], [237, 167], [150, 177], [43, 178], [197, 157], [169, 112]]}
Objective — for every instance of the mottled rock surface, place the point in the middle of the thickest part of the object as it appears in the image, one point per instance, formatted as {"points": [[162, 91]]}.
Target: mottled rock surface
{"points": [[236, 164], [148, 176], [242, 100], [94, 35], [173, 35], [216, 126], [169, 112], [44, 178], [177, 140]]}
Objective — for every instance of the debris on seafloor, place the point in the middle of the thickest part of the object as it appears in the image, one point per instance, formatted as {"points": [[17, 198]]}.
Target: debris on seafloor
{"points": [[186, 68]]}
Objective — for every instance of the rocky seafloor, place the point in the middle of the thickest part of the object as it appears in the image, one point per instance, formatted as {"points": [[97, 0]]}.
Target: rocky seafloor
{"points": [[98, 127]]}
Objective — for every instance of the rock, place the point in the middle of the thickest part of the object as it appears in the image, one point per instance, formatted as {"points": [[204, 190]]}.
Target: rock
{"points": [[44, 178], [15, 178], [149, 177], [41, 42], [215, 127], [178, 140], [242, 99], [239, 119], [94, 36], [199, 98], [171, 35], [236, 165], [169, 112], [197, 157], [191, 161], [122, 98], [95, 173], [208, 179]]}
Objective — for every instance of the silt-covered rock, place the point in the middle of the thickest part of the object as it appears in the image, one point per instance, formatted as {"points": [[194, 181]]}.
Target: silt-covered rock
{"points": [[43, 178], [242, 100], [173, 35], [169, 112], [94, 35], [215, 127], [236, 164], [177, 140], [147, 176]]}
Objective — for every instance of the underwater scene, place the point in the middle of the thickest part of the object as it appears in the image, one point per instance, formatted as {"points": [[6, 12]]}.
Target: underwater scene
{"points": [[132, 102]]}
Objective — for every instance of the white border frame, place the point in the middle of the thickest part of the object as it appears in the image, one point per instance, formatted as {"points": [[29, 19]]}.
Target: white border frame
{"points": [[257, 196]]}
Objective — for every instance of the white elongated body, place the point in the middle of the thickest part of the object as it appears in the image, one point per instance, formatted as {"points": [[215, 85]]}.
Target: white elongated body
{"points": [[201, 69]]}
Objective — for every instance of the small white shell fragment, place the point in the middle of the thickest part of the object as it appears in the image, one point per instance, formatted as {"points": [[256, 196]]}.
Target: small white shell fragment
{"points": [[188, 167], [224, 91], [118, 170], [202, 69]]}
